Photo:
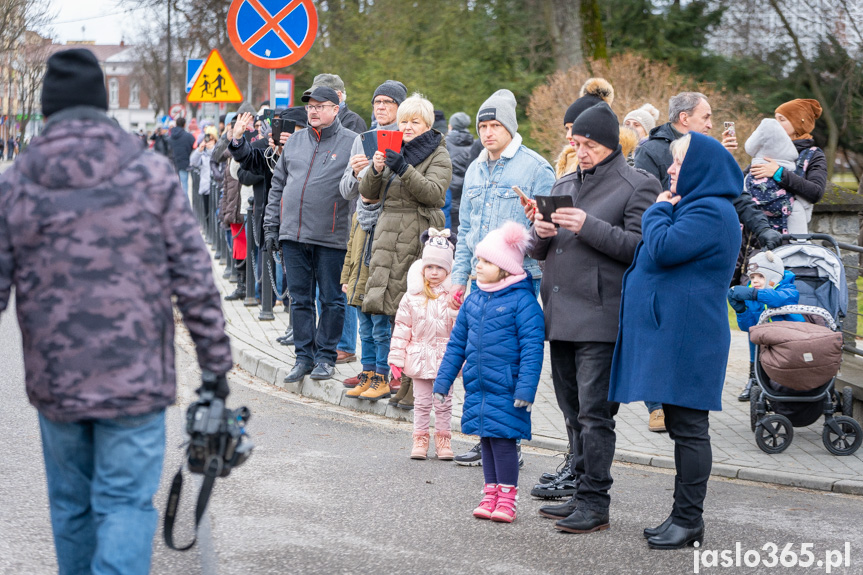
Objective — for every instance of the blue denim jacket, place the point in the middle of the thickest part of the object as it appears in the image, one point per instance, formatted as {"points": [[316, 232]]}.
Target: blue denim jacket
{"points": [[488, 201]]}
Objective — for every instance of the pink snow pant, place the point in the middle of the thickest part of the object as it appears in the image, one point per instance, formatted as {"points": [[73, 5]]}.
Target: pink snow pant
{"points": [[423, 401]]}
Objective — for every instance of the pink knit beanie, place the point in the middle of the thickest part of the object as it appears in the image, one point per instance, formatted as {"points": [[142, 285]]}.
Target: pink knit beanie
{"points": [[505, 247], [438, 249]]}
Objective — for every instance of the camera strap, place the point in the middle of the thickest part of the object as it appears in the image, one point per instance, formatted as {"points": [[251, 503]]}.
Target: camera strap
{"points": [[213, 470]]}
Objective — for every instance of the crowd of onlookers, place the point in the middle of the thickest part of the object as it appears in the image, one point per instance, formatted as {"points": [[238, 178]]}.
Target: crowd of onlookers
{"points": [[388, 243], [429, 247]]}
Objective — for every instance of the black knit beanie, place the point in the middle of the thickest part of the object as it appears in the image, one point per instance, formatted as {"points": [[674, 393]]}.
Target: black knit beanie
{"points": [[579, 106], [392, 89], [297, 114], [598, 123], [73, 78]]}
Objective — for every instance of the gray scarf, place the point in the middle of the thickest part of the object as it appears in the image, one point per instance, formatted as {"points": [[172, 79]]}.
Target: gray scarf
{"points": [[367, 215]]}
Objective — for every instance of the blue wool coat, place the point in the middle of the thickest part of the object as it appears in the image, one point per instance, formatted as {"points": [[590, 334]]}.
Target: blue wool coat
{"points": [[673, 340], [499, 337]]}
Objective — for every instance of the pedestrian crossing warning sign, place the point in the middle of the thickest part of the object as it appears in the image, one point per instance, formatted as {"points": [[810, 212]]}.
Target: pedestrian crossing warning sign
{"points": [[215, 83]]}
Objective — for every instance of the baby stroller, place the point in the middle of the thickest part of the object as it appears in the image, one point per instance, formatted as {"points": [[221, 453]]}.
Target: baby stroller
{"points": [[775, 410]]}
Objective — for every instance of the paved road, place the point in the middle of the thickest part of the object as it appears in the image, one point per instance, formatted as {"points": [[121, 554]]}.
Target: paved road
{"points": [[329, 491]]}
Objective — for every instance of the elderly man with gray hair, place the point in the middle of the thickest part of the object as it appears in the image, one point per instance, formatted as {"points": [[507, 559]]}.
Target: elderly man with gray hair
{"points": [[690, 112]]}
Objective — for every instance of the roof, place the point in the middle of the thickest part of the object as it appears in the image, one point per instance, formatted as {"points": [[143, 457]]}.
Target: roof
{"points": [[102, 51]]}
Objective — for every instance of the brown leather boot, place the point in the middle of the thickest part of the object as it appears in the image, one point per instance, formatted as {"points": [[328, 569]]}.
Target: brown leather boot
{"points": [[407, 401], [403, 390], [363, 385], [378, 388]]}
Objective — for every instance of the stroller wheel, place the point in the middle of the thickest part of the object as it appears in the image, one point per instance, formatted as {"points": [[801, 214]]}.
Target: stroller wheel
{"points": [[754, 398], [774, 434], [847, 404], [845, 438]]}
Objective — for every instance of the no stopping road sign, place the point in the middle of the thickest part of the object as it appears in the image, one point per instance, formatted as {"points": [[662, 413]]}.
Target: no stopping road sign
{"points": [[270, 33]]}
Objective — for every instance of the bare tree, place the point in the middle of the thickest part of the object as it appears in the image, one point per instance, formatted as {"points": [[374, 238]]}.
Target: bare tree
{"points": [[815, 85], [19, 16], [29, 67]]}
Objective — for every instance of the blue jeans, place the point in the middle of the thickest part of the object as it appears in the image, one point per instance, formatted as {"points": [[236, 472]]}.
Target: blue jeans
{"points": [[315, 267], [652, 406], [184, 181], [447, 209], [375, 331], [102, 476], [348, 343]]}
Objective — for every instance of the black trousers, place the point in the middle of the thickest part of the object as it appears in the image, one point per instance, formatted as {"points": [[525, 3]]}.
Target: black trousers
{"points": [[581, 373], [693, 460]]}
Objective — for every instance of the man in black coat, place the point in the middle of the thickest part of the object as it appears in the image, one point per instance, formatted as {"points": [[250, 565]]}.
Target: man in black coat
{"points": [[585, 259], [687, 112], [182, 143], [458, 144]]}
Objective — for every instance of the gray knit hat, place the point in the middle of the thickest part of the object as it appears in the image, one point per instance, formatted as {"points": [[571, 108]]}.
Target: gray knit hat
{"points": [[392, 89], [501, 107], [647, 115], [333, 81], [769, 265], [459, 121], [246, 108]]}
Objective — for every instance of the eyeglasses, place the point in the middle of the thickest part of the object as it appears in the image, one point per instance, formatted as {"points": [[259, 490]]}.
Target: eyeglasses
{"points": [[319, 108], [383, 102]]}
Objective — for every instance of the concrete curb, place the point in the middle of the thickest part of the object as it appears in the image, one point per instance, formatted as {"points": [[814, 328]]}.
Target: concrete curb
{"points": [[333, 391]]}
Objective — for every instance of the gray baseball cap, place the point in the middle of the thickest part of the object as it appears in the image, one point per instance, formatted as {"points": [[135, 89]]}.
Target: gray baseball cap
{"points": [[332, 81]]}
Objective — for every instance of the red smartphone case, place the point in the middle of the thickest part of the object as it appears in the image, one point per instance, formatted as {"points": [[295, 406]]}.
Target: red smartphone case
{"points": [[389, 140]]}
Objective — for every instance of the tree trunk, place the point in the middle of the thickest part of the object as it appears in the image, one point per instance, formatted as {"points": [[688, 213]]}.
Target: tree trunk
{"points": [[563, 20], [826, 112]]}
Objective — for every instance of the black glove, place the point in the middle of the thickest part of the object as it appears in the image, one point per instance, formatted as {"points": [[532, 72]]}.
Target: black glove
{"points": [[218, 384], [271, 242], [770, 239], [396, 162]]}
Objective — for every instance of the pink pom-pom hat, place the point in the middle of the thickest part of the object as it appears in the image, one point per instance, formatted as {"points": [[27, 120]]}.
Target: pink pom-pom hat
{"points": [[505, 247]]}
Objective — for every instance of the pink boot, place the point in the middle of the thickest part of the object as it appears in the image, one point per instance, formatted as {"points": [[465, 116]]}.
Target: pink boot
{"points": [[488, 503], [421, 446], [507, 499], [442, 445]]}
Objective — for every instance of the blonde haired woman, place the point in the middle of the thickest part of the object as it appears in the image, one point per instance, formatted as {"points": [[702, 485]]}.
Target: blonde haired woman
{"points": [[412, 185]]}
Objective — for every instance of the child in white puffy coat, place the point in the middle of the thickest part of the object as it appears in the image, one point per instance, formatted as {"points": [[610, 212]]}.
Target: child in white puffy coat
{"points": [[422, 328]]}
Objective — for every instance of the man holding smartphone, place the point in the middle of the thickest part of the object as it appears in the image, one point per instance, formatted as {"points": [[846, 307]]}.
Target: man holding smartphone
{"points": [[585, 258], [488, 199], [690, 112]]}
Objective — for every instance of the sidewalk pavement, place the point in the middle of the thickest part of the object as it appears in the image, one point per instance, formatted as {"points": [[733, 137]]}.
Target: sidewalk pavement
{"points": [[806, 463]]}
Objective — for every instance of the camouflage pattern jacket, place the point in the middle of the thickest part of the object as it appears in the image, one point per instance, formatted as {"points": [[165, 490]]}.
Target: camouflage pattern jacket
{"points": [[96, 236]]}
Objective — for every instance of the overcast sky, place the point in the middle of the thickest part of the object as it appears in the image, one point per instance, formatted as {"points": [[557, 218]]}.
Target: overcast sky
{"points": [[104, 21]]}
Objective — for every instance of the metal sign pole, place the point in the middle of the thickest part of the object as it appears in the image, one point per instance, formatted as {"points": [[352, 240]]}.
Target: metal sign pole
{"points": [[272, 89]]}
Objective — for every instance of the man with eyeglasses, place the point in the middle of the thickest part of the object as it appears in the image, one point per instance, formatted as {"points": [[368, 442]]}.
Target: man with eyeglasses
{"points": [[385, 103], [308, 219]]}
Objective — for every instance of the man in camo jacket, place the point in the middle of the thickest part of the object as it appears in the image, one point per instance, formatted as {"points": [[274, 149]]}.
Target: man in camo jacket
{"points": [[97, 236]]}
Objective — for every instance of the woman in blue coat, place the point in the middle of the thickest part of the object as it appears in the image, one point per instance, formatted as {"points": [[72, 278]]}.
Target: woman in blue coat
{"points": [[673, 341]]}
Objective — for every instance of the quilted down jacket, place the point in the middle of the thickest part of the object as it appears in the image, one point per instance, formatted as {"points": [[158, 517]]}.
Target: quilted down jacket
{"points": [[499, 337], [422, 327]]}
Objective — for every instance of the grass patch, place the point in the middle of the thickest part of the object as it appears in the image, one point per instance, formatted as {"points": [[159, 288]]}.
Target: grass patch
{"points": [[845, 180]]}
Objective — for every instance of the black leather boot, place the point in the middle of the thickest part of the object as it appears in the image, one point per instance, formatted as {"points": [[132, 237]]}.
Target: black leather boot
{"points": [[676, 537], [744, 396], [654, 531], [240, 292], [583, 521], [561, 511]]}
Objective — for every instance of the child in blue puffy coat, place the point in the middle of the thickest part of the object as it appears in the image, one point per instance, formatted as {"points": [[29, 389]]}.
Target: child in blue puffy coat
{"points": [[770, 287], [498, 337]]}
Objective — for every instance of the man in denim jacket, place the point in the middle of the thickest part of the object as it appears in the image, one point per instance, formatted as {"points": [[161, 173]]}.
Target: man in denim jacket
{"points": [[488, 199]]}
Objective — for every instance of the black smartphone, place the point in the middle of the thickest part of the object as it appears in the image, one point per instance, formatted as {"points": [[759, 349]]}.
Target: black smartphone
{"points": [[547, 205], [267, 116], [282, 125]]}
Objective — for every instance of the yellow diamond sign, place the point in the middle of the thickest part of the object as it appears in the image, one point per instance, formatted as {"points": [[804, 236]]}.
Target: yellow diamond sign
{"points": [[215, 83]]}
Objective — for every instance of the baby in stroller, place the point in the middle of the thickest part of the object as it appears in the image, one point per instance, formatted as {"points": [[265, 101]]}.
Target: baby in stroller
{"points": [[771, 286]]}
